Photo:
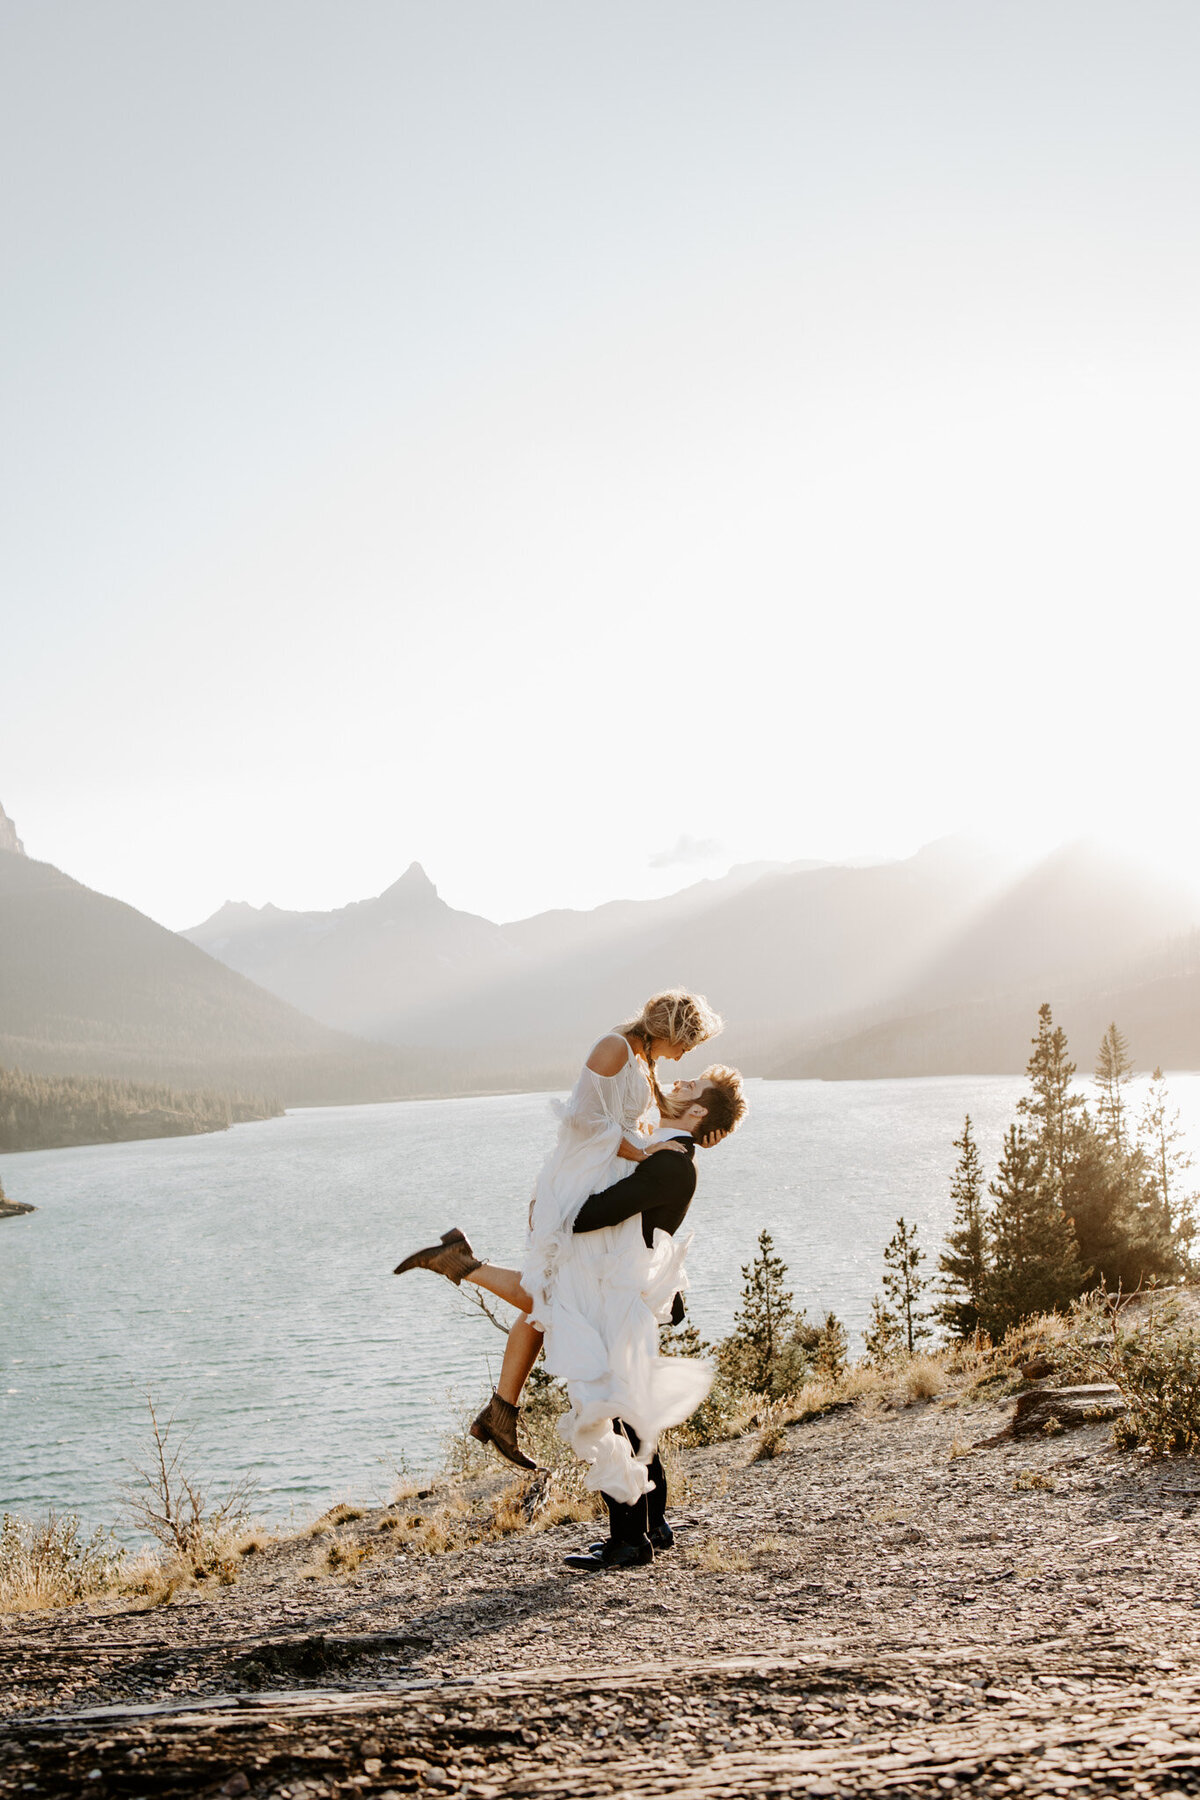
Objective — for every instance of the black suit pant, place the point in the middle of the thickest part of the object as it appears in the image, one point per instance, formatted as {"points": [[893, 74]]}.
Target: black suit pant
{"points": [[629, 1524]]}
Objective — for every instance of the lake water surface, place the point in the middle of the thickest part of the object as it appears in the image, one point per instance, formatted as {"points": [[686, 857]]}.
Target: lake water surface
{"points": [[245, 1277]]}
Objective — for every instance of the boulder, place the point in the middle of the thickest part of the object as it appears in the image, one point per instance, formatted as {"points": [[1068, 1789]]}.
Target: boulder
{"points": [[1068, 1406]]}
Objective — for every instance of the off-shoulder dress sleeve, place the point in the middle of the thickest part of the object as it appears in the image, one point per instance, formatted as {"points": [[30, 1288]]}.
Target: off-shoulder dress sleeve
{"points": [[595, 1109]]}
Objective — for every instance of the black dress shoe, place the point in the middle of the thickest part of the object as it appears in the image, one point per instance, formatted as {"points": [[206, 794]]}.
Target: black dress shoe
{"points": [[661, 1538], [612, 1555]]}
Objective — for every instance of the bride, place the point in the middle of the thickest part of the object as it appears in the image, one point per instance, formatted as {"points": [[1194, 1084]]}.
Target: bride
{"points": [[596, 1296]]}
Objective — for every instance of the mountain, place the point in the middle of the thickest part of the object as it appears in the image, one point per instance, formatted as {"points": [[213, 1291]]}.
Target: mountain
{"points": [[1087, 930], [367, 966], [932, 964], [89, 986], [397, 966], [8, 835], [774, 946]]}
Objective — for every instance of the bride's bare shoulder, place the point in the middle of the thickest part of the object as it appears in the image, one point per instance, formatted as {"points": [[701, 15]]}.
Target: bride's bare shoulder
{"points": [[610, 1055]]}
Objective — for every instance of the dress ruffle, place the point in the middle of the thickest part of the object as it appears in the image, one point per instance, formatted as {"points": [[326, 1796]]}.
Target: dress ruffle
{"points": [[609, 1301]]}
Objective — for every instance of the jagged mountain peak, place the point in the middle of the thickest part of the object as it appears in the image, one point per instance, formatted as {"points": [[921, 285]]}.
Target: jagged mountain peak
{"points": [[413, 885], [8, 835]]}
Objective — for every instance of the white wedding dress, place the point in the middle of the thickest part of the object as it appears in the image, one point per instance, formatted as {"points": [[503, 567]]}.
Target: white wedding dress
{"points": [[600, 1296]]}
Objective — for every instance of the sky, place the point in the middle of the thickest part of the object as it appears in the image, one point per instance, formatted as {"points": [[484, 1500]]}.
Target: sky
{"points": [[580, 447]]}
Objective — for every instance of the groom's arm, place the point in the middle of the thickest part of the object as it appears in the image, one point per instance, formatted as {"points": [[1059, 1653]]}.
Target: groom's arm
{"points": [[665, 1180]]}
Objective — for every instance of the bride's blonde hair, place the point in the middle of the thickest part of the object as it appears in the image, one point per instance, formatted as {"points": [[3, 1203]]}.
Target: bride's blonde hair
{"points": [[677, 1016]]}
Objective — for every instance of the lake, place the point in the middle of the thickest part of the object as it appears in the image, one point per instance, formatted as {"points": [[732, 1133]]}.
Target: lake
{"points": [[245, 1278]]}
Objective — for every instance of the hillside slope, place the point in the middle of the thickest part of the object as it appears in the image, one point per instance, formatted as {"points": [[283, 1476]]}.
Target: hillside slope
{"points": [[89, 985]]}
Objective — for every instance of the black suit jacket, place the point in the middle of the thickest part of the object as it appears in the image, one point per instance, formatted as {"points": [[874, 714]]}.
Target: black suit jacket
{"points": [[660, 1188]]}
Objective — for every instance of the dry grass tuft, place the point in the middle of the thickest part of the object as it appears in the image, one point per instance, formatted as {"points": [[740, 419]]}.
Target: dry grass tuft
{"points": [[960, 1446], [339, 1515], [923, 1377], [717, 1557], [771, 1440], [815, 1398], [345, 1554], [49, 1562], [1031, 1481], [253, 1542], [862, 1382], [154, 1579]]}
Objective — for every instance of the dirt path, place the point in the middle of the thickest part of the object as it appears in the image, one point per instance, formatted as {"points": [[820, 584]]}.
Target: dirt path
{"points": [[865, 1612]]}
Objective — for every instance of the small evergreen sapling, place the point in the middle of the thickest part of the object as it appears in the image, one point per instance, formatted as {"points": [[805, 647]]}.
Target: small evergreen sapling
{"points": [[963, 1262], [1167, 1166], [769, 1348], [832, 1348], [883, 1337], [1113, 1070], [903, 1283]]}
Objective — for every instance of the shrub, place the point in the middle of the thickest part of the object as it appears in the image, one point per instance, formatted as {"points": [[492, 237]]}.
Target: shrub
{"points": [[51, 1563], [712, 1420], [923, 1378], [166, 1500], [1158, 1374]]}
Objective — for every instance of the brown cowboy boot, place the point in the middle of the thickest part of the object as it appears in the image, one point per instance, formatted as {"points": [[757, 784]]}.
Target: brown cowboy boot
{"points": [[453, 1258], [497, 1424]]}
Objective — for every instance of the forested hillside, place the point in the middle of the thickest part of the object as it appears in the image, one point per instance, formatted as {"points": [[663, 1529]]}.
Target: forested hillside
{"points": [[89, 986], [45, 1112]]}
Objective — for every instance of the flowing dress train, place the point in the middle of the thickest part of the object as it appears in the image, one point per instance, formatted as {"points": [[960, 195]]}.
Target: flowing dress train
{"points": [[600, 1296]]}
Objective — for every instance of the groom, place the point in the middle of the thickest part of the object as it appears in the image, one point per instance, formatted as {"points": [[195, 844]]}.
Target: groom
{"points": [[661, 1190]]}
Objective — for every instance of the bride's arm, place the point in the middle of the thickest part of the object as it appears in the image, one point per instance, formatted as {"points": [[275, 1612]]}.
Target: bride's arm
{"points": [[608, 1058]]}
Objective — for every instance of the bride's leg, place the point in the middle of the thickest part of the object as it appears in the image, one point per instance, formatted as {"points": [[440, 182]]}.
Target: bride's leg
{"points": [[504, 1283], [497, 1423], [520, 1354]]}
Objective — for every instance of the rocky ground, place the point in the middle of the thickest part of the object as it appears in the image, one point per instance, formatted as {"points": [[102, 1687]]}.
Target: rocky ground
{"points": [[873, 1609]]}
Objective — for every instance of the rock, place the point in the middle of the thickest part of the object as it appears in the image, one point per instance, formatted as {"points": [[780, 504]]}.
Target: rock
{"points": [[1037, 1369], [1068, 1406], [8, 835]]}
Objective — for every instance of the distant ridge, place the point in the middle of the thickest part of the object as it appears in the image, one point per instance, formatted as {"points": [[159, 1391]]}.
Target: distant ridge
{"points": [[933, 964]]}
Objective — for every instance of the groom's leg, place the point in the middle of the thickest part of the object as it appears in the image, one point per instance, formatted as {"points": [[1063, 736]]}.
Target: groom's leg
{"points": [[656, 1499], [627, 1523], [652, 1507]]}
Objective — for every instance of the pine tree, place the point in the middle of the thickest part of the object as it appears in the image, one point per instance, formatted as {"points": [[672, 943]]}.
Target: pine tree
{"points": [[963, 1261], [1121, 1233], [769, 1348], [1166, 1165], [1052, 1108], [903, 1284], [882, 1338], [1033, 1264], [832, 1348], [1113, 1069]]}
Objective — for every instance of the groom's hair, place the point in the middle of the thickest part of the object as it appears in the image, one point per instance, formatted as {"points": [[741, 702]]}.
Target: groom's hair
{"points": [[723, 1100]]}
